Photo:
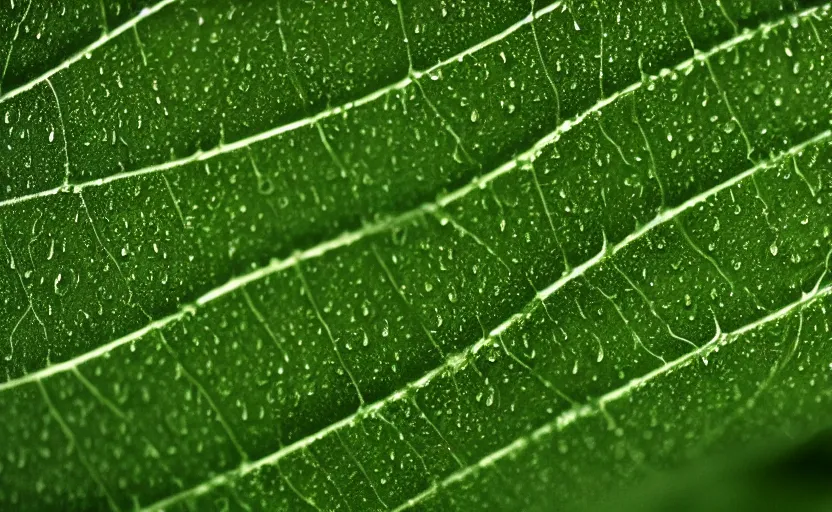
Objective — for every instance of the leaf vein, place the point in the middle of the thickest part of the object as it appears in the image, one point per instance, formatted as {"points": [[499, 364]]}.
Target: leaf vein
{"points": [[98, 43]]}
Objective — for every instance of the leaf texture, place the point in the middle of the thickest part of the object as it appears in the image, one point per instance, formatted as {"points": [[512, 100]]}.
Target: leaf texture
{"points": [[412, 255]]}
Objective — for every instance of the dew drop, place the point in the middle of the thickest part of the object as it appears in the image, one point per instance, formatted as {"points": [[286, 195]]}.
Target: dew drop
{"points": [[265, 186], [60, 289]]}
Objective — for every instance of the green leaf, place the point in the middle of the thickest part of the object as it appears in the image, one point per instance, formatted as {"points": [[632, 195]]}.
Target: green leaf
{"points": [[365, 255], [774, 475]]}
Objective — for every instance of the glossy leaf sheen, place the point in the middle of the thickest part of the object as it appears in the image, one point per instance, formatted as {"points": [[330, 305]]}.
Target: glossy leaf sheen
{"points": [[433, 255]]}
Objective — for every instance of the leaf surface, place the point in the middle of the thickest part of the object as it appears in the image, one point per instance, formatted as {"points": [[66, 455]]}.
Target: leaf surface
{"points": [[365, 255]]}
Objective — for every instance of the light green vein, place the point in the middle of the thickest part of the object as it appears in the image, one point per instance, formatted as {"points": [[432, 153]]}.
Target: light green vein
{"points": [[98, 43]]}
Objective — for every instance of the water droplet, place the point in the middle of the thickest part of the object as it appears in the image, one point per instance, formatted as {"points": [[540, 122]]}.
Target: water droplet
{"points": [[265, 186], [773, 249], [62, 284]]}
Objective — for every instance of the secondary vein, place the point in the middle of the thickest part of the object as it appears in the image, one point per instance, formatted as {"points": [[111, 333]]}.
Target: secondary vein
{"points": [[98, 43]]}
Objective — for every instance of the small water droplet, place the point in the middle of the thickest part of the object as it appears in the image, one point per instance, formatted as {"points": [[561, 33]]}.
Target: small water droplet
{"points": [[265, 186]]}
